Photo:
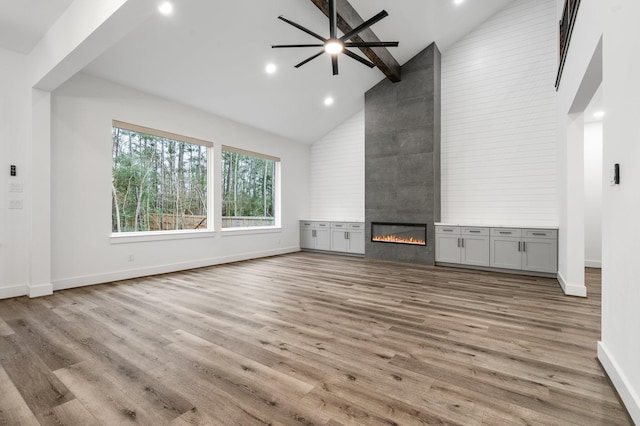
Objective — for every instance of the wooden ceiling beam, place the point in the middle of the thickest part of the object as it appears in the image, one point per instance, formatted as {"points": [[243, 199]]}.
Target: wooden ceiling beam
{"points": [[349, 19]]}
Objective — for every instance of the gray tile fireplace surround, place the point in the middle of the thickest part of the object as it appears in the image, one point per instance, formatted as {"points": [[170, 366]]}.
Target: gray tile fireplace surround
{"points": [[402, 156]]}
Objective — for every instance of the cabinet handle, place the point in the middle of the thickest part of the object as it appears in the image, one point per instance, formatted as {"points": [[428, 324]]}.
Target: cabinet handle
{"points": [[355, 226], [541, 234], [505, 232], [458, 242], [462, 241], [474, 232], [447, 230], [524, 245], [346, 236], [313, 233], [519, 245]]}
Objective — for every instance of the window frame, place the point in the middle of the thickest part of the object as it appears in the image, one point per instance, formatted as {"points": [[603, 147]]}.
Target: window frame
{"points": [[276, 192], [140, 236], [214, 193]]}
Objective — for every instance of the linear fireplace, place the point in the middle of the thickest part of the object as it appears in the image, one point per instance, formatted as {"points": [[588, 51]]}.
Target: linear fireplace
{"points": [[399, 233]]}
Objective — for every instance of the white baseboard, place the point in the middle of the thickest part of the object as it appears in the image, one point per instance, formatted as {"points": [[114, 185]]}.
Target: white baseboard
{"points": [[572, 290], [593, 264], [628, 395], [40, 290], [13, 291], [85, 280]]}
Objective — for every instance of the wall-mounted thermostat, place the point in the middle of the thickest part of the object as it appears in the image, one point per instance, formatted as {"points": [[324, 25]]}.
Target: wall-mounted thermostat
{"points": [[615, 175]]}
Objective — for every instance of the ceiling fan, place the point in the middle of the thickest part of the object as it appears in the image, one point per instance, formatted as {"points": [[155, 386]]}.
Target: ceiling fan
{"points": [[334, 44]]}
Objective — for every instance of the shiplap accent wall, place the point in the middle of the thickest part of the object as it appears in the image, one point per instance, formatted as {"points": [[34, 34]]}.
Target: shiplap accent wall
{"points": [[337, 173], [499, 137]]}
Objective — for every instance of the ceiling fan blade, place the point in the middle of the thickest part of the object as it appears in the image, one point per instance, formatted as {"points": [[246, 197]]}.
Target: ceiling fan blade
{"points": [[334, 64], [279, 46], [364, 25], [333, 19], [309, 59], [358, 58], [301, 28], [372, 44]]}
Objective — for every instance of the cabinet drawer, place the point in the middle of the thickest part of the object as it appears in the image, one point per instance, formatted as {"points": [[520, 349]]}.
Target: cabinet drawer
{"points": [[452, 230], [306, 224], [356, 226], [506, 232], [338, 225], [323, 225], [475, 231], [541, 233]]}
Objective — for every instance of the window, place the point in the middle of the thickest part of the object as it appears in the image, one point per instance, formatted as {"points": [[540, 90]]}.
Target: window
{"points": [[248, 189], [159, 180]]}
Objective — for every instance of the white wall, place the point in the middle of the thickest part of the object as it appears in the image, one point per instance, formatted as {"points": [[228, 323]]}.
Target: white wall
{"points": [[82, 110], [337, 173], [580, 80], [619, 350], [499, 131], [593, 194], [14, 228]]}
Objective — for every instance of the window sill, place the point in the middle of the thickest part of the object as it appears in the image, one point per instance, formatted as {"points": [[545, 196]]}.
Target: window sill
{"points": [[141, 237], [228, 232]]}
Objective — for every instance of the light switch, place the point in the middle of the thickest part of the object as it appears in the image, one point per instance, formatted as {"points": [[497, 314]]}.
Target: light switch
{"points": [[15, 204], [16, 187]]}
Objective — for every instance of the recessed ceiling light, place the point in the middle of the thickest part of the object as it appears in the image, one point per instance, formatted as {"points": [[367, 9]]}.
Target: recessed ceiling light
{"points": [[271, 68], [165, 8], [598, 114], [457, 2], [328, 101]]}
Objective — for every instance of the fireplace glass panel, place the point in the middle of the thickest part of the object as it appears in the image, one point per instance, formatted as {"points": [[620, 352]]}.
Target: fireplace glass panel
{"points": [[399, 233]]}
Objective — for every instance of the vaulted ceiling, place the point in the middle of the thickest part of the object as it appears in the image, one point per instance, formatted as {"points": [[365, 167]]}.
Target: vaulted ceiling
{"points": [[212, 55]]}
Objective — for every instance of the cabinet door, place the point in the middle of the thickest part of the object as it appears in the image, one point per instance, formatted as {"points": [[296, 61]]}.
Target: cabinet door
{"points": [[307, 240], [447, 248], [339, 240], [540, 255], [323, 239], [475, 250], [356, 242], [505, 253]]}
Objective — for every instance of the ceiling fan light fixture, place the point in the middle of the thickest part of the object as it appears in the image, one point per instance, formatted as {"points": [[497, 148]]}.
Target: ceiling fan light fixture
{"points": [[334, 44], [333, 47]]}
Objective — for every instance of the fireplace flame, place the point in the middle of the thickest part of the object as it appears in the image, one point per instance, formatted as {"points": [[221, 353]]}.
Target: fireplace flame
{"points": [[398, 239]]}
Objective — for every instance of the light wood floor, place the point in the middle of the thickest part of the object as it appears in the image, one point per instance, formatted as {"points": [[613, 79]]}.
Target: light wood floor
{"points": [[307, 339]]}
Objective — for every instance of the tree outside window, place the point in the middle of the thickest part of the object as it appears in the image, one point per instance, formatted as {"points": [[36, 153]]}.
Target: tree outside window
{"points": [[248, 189], [159, 180]]}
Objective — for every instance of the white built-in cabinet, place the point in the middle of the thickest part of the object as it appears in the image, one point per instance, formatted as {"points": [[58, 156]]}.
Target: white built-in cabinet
{"points": [[464, 245], [347, 237], [315, 235], [523, 249], [341, 237]]}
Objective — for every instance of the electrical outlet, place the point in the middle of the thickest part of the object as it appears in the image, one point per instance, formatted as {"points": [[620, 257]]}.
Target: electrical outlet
{"points": [[131, 257], [15, 204]]}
